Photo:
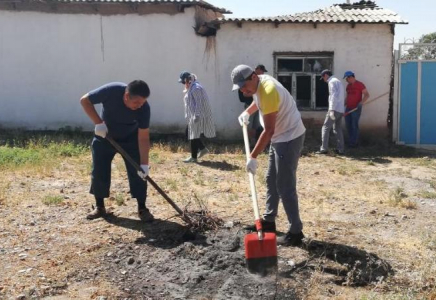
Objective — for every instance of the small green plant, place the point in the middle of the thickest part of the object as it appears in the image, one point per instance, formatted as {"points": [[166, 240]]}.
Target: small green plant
{"points": [[233, 198], [119, 199], [199, 180], [398, 197], [14, 157], [155, 158], [172, 184], [52, 200], [427, 195], [348, 170], [370, 163], [184, 171]]}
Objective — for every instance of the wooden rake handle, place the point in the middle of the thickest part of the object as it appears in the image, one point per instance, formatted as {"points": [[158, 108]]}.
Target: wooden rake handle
{"points": [[151, 181], [252, 185], [367, 102]]}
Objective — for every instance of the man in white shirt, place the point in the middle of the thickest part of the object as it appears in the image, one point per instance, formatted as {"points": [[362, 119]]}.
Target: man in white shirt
{"points": [[284, 128], [334, 114]]}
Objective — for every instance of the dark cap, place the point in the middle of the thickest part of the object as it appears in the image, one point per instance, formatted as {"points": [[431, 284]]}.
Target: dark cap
{"points": [[326, 71], [261, 67], [239, 75], [183, 76]]}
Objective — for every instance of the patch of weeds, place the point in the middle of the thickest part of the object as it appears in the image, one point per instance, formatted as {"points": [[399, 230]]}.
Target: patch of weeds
{"points": [[119, 199], [432, 184], [183, 170], [52, 200], [398, 197], [66, 149], [172, 184], [370, 162], [424, 161], [154, 157], [199, 180], [327, 194], [408, 204], [3, 189], [429, 240], [14, 157], [427, 195], [233, 198], [348, 170]]}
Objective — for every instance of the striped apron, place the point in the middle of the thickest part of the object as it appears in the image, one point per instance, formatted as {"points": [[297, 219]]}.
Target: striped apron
{"points": [[197, 104]]}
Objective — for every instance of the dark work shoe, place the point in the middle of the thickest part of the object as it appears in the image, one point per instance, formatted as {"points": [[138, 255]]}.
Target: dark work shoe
{"points": [[321, 152], [98, 212], [291, 239], [145, 215], [266, 227], [339, 152]]}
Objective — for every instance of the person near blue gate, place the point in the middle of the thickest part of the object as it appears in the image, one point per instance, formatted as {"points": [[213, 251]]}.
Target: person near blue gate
{"points": [[357, 95], [125, 116]]}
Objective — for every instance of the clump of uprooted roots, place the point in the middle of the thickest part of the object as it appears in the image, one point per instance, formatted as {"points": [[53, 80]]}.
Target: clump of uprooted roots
{"points": [[202, 220]]}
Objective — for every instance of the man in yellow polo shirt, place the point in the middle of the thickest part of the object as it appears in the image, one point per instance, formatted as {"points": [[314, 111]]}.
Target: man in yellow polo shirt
{"points": [[284, 129]]}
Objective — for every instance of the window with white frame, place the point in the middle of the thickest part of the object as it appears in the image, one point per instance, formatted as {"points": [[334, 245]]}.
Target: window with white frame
{"points": [[300, 73]]}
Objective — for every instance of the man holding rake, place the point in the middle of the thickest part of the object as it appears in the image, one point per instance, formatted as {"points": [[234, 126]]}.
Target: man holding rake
{"points": [[126, 118]]}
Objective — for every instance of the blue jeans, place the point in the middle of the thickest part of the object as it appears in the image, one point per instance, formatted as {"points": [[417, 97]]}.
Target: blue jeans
{"points": [[352, 123], [102, 155]]}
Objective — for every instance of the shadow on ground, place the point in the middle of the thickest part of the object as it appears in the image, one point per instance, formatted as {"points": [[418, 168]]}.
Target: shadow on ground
{"points": [[163, 234], [219, 165], [347, 265]]}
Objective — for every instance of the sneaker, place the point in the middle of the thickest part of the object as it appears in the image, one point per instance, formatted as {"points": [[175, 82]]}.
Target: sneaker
{"points": [[321, 152], [291, 239], [145, 215], [98, 212], [202, 153], [190, 160], [266, 227]]}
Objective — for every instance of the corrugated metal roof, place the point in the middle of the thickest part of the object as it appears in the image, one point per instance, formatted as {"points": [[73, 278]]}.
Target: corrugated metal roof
{"points": [[359, 12], [182, 2]]}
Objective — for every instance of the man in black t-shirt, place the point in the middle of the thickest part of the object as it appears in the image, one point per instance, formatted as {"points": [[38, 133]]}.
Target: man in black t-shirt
{"points": [[126, 117]]}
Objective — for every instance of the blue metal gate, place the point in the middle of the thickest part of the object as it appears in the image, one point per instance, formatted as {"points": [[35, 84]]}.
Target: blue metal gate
{"points": [[416, 115]]}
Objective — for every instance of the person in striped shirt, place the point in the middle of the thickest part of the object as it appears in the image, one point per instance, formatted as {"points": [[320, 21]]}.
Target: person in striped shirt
{"points": [[197, 114]]}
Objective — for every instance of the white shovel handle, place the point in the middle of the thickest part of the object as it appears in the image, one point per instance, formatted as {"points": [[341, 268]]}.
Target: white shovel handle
{"points": [[251, 178]]}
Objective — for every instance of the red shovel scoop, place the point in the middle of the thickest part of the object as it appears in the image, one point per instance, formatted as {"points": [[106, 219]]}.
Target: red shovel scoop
{"points": [[260, 247]]}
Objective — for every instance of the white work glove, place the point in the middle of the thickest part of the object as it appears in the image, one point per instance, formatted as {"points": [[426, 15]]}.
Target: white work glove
{"points": [[101, 130], [145, 171], [244, 118], [251, 165], [332, 115]]}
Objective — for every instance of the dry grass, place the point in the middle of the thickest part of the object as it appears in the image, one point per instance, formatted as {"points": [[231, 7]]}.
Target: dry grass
{"points": [[352, 202]]}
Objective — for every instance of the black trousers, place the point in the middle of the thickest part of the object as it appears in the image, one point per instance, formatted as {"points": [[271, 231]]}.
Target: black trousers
{"points": [[196, 145], [102, 155]]}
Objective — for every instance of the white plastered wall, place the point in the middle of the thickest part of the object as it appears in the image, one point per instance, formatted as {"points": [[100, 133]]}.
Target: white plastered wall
{"points": [[364, 49], [48, 61]]}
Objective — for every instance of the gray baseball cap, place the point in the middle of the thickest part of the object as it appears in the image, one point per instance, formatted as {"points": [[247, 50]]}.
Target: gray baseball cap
{"points": [[240, 75]]}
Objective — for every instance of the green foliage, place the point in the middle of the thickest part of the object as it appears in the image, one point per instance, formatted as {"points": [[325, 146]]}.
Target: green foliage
{"points": [[22, 148], [52, 200], [428, 38], [422, 52], [119, 199], [18, 156]]}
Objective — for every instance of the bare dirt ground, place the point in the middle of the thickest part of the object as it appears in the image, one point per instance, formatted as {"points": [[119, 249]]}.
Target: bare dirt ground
{"points": [[369, 219]]}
